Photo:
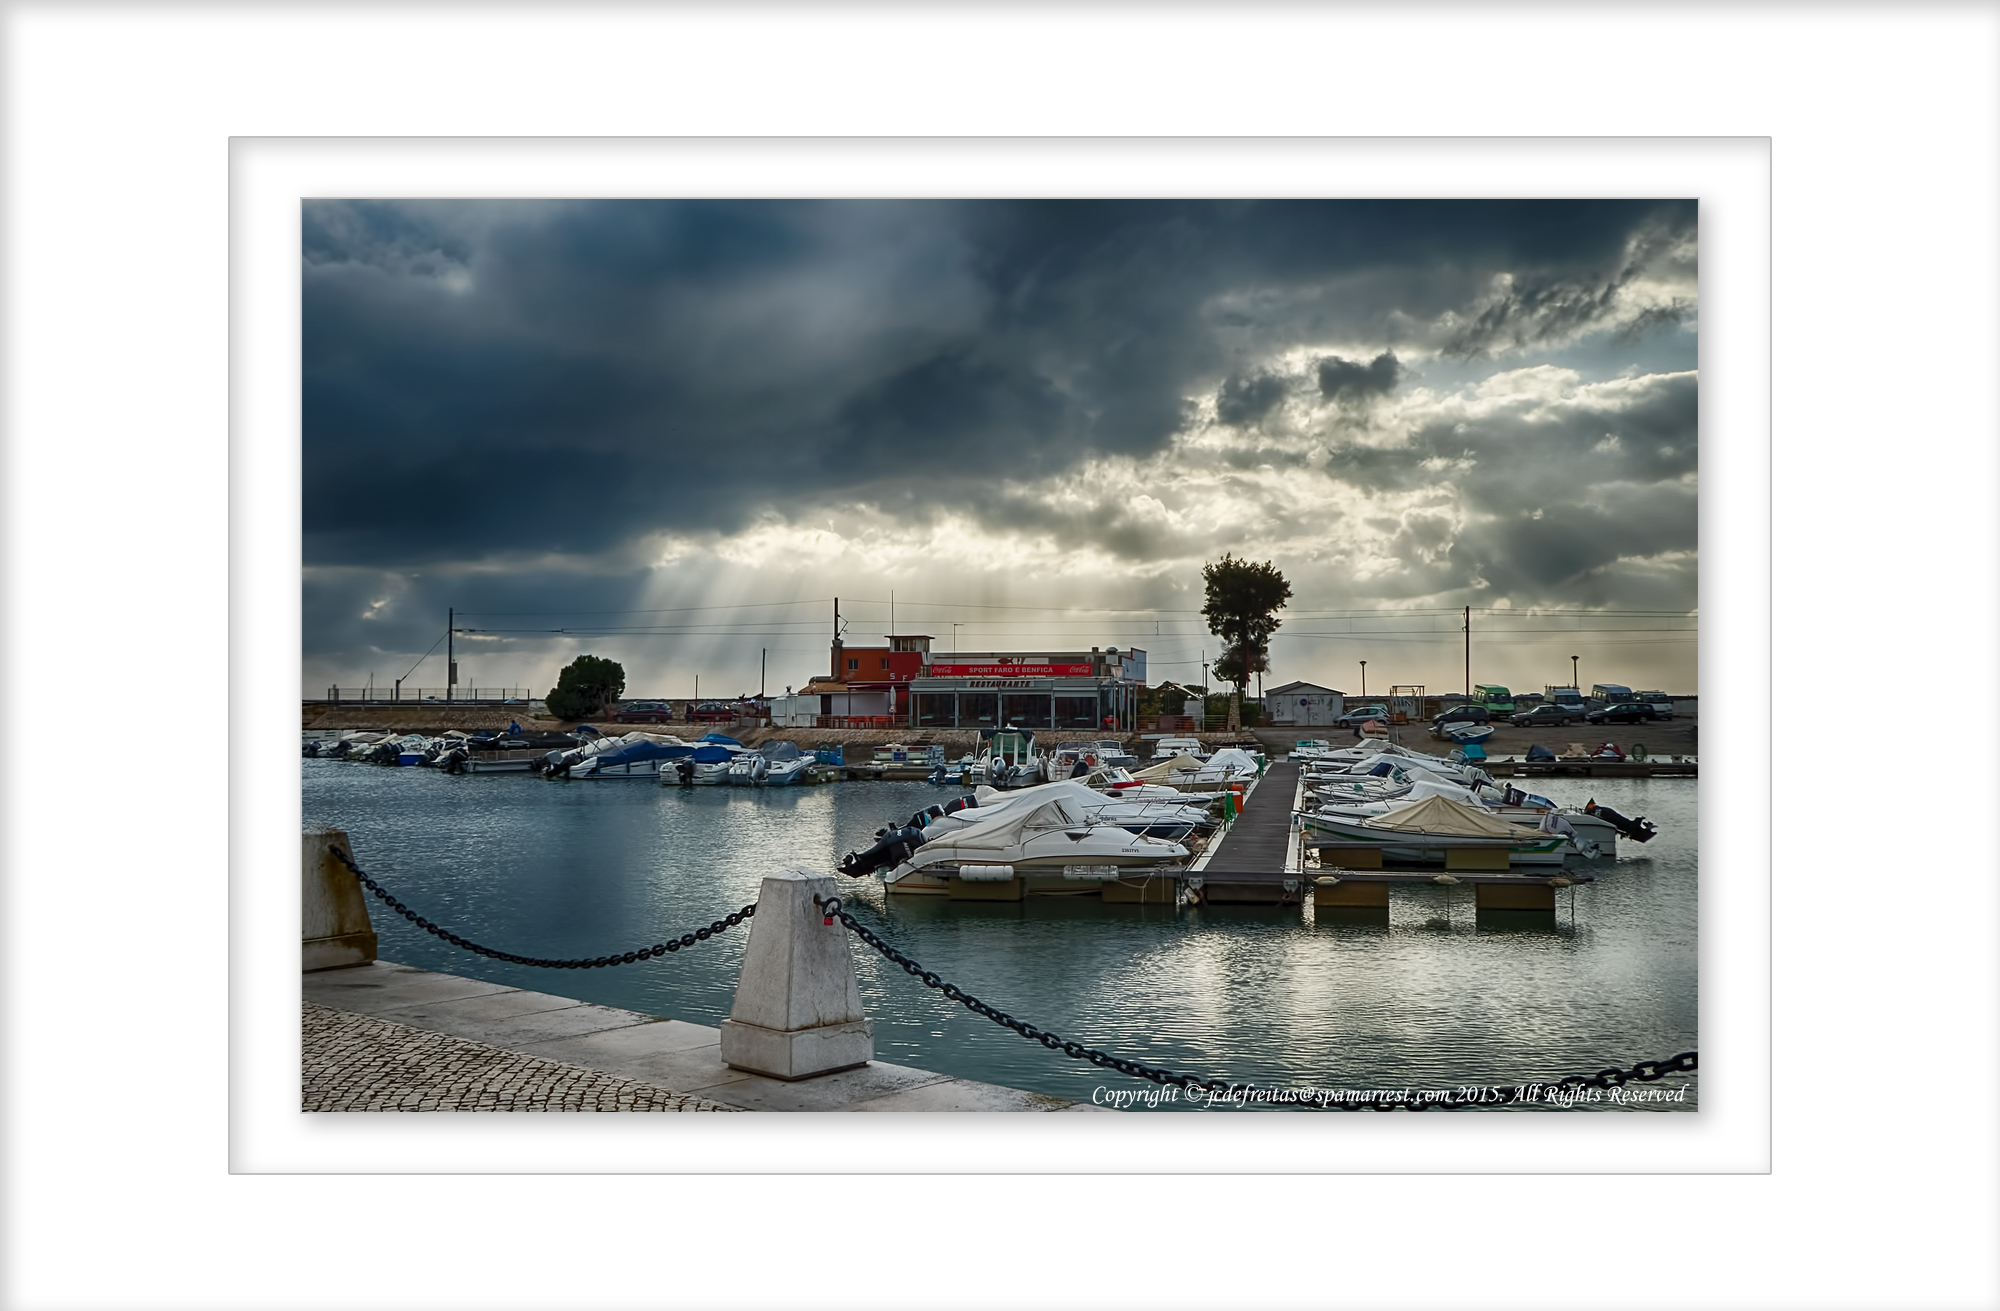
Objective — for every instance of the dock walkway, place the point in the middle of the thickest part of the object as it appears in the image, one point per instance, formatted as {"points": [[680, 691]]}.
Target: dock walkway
{"points": [[389, 1037], [1260, 841]]}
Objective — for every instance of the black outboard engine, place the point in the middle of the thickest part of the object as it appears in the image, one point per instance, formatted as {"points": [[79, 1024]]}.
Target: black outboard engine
{"points": [[1639, 830], [963, 803], [684, 770], [922, 819], [453, 761], [892, 847], [339, 750], [312, 749]]}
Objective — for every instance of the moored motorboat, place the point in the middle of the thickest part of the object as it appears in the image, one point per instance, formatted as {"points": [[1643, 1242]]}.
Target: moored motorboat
{"points": [[1010, 758], [1427, 831], [1048, 842]]}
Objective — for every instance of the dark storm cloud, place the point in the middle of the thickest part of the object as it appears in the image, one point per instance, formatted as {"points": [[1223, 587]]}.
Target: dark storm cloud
{"points": [[484, 378], [1352, 380], [1557, 302], [1246, 400]]}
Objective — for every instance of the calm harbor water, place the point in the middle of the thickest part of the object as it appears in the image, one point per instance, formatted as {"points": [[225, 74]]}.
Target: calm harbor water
{"points": [[1432, 1000]]}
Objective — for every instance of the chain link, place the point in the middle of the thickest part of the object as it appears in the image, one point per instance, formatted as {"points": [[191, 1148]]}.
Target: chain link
{"points": [[1221, 1089], [658, 949]]}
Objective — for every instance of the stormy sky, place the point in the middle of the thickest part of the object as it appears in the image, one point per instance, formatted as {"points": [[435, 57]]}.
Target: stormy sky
{"points": [[670, 432]]}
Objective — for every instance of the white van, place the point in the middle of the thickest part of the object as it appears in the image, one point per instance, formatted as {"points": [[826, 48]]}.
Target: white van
{"points": [[1609, 694], [1662, 704]]}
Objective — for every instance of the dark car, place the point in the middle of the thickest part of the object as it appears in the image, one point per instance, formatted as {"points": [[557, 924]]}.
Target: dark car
{"points": [[643, 712], [1623, 712], [712, 712], [1467, 714], [1362, 714], [1561, 716]]}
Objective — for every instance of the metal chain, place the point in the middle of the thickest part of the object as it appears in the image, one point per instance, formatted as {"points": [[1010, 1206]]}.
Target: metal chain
{"points": [[580, 963], [1643, 1072]]}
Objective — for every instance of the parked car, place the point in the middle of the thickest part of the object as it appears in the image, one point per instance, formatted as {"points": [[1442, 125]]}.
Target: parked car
{"points": [[643, 712], [1662, 704], [712, 712], [1548, 713], [1623, 712], [1466, 714], [1362, 714]]}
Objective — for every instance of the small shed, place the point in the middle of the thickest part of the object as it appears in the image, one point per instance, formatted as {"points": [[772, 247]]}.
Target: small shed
{"points": [[1303, 705]]}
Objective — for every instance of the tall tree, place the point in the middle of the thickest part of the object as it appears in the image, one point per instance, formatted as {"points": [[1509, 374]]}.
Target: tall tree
{"points": [[1243, 600], [586, 687]]}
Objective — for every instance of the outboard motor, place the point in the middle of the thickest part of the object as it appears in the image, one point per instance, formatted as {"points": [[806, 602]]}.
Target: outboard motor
{"points": [[312, 749], [684, 770], [922, 819], [339, 750], [453, 761], [1639, 830], [892, 847], [963, 803]]}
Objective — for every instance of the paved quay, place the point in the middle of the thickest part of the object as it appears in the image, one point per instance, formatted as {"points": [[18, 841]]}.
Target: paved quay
{"points": [[360, 1063], [388, 1037]]}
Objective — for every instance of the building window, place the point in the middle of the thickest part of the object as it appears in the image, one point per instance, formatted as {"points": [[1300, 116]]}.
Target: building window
{"points": [[854, 664], [885, 662]]}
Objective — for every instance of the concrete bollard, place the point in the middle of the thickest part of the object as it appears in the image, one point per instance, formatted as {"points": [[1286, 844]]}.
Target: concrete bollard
{"points": [[798, 1009], [332, 908]]}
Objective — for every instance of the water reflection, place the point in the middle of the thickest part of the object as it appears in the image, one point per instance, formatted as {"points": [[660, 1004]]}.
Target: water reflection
{"points": [[1426, 993]]}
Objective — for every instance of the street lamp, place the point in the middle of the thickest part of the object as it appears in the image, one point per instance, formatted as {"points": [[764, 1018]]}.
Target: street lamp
{"points": [[1572, 675], [1364, 680]]}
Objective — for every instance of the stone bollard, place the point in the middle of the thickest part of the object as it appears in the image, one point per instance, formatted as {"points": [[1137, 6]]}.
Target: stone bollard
{"points": [[798, 1010], [332, 908]]}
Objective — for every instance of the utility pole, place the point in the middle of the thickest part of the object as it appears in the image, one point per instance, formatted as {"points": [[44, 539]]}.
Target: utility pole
{"points": [[1468, 653], [763, 657], [1364, 680], [450, 660]]}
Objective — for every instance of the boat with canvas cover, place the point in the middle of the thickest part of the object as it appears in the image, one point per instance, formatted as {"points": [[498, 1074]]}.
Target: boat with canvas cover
{"points": [[1423, 833], [1172, 818], [1048, 842], [1594, 836]]}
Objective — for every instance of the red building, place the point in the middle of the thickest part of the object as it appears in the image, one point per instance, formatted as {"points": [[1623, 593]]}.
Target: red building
{"points": [[877, 677]]}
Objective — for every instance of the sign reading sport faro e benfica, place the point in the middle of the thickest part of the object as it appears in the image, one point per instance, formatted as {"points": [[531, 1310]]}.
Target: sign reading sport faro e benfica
{"points": [[1009, 671]]}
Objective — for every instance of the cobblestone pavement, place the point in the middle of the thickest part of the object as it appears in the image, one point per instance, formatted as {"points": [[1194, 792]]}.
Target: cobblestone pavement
{"points": [[360, 1063]]}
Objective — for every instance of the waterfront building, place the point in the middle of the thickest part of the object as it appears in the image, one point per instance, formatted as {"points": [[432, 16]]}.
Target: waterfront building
{"points": [[1303, 705], [906, 684]]}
